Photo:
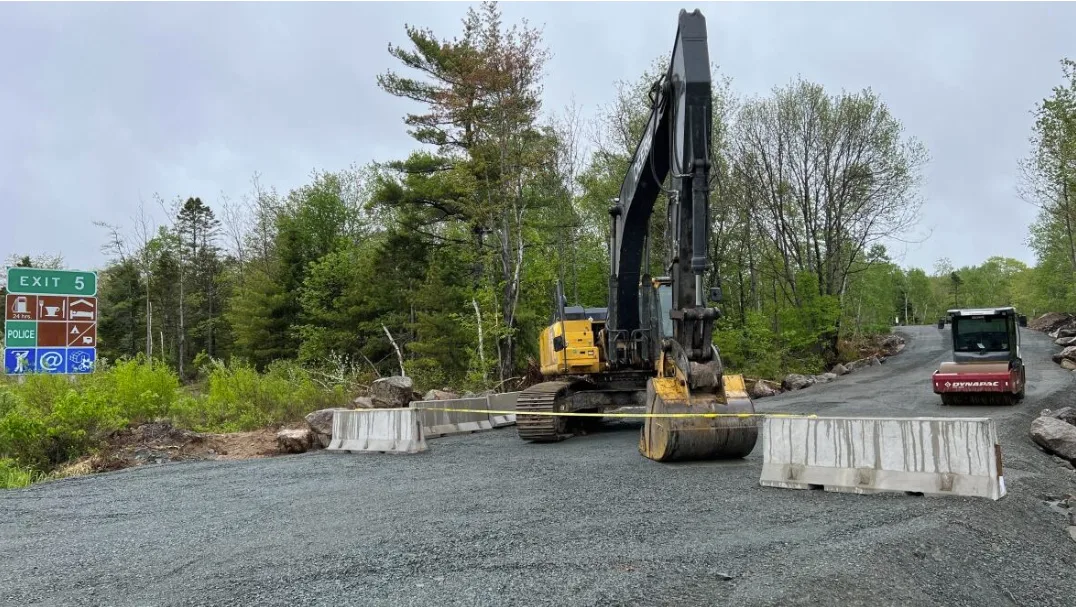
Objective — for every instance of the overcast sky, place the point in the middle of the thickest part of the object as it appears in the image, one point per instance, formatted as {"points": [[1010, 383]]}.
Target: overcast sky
{"points": [[102, 105]]}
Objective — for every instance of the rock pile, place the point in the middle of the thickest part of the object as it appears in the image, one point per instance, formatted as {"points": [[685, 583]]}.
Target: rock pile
{"points": [[1062, 328]]}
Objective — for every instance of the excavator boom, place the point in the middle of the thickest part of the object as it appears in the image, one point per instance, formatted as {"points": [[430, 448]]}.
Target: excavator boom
{"points": [[677, 139]]}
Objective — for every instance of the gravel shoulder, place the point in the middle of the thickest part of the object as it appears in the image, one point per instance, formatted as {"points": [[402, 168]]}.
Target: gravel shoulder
{"points": [[484, 519]]}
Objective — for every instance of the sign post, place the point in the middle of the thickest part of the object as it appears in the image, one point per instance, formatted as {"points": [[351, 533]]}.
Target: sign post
{"points": [[50, 321]]}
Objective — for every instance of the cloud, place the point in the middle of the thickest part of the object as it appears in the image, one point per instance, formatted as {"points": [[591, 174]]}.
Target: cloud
{"points": [[107, 104]]}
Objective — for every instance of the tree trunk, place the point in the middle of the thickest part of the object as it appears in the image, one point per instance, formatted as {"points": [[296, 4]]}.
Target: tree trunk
{"points": [[481, 342]]}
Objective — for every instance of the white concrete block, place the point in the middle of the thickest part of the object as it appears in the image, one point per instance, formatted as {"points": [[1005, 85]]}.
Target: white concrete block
{"points": [[929, 455], [382, 430], [503, 402], [443, 423]]}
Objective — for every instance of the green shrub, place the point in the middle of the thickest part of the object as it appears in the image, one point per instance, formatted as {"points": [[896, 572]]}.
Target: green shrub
{"points": [[143, 390], [42, 435], [48, 420], [239, 398]]}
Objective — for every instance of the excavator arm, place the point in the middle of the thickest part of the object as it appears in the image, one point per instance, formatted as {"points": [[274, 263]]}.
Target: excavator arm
{"points": [[677, 140]]}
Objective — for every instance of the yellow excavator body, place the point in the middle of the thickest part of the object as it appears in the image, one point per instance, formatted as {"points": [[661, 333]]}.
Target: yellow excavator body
{"points": [[580, 354]]}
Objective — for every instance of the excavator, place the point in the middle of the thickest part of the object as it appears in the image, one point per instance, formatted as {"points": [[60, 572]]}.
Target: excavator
{"points": [[652, 346]]}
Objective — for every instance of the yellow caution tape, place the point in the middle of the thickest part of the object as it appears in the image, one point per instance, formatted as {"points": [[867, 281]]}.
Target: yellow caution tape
{"points": [[629, 415]]}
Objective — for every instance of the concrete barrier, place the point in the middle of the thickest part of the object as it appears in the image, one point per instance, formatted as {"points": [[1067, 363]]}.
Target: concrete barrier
{"points": [[503, 402], [932, 456], [444, 423], [382, 430]]}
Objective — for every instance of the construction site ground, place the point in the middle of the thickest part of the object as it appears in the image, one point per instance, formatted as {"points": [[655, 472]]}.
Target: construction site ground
{"points": [[484, 519]]}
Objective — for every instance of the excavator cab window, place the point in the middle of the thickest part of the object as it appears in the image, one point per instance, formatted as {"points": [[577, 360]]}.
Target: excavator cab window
{"points": [[665, 301]]}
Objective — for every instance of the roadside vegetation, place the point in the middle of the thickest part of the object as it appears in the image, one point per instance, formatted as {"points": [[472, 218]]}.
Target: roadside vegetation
{"points": [[239, 314], [48, 420]]}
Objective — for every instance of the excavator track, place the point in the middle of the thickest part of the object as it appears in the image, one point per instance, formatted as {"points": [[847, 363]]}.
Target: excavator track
{"points": [[542, 398]]}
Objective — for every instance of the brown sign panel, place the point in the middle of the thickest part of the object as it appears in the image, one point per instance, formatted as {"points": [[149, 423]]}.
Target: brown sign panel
{"points": [[82, 334], [20, 307], [51, 307], [82, 309], [51, 334]]}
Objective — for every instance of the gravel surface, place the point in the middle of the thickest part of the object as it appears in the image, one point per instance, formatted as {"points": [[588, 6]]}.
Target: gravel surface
{"points": [[484, 519]]}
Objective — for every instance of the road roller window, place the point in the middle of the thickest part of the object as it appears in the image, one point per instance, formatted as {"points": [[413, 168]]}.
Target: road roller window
{"points": [[976, 334]]}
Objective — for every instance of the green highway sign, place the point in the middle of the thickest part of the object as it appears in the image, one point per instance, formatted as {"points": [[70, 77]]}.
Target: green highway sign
{"points": [[40, 281], [20, 334], [50, 322]]}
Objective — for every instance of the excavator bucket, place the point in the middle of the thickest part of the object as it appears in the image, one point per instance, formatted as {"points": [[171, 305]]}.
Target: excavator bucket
{"points": [[667, 439]]}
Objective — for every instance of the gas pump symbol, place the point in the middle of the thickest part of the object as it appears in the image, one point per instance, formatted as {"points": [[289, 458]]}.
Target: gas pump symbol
{"points": [[20, 307]]}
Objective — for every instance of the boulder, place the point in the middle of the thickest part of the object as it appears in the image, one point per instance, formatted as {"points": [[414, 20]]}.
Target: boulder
{"points": [[1055, 436], [294, 440], [439, 395], [874, 361], [825, 378], [795, 381], [321, 424], [1065, 341], [1069, 353], [1068, 364], [763, 389], [1066, 333], [839, 369], [363, 402], [1065, 414], [391, 392]]}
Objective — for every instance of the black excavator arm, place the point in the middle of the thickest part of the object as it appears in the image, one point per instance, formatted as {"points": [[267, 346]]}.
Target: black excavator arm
{"points": [[676, 139]]}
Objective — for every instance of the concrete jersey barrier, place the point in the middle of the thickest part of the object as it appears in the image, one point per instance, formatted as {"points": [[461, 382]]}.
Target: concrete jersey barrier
{"points": [[933, 456], [444, 423], [381, 430], [503, 402]]}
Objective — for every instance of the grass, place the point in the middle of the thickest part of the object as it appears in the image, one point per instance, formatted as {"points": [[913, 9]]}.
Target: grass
{"points": [[14, 476], [47, 421]]}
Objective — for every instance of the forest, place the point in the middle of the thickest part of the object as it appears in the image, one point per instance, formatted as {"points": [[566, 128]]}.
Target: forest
{"points": [[442, 264]]}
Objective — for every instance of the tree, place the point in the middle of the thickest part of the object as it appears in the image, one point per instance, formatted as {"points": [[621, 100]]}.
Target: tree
{"points": [[482, 93], [825, 178], [1049, 172]]}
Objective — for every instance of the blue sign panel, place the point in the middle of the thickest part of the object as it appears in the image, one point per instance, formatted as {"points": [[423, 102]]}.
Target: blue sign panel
{"points": [[19, 360], [51, 360], [81, 360]]}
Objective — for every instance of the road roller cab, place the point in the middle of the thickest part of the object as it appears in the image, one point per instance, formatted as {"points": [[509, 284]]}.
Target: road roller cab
{"points": [[986, 367]]}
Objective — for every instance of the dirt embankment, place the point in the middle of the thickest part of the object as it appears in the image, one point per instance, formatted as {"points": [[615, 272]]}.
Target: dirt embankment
{"points": [[160, 442]]}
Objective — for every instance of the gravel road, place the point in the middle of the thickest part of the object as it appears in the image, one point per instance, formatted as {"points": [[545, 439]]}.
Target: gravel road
{"points": [[484, 519]]}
